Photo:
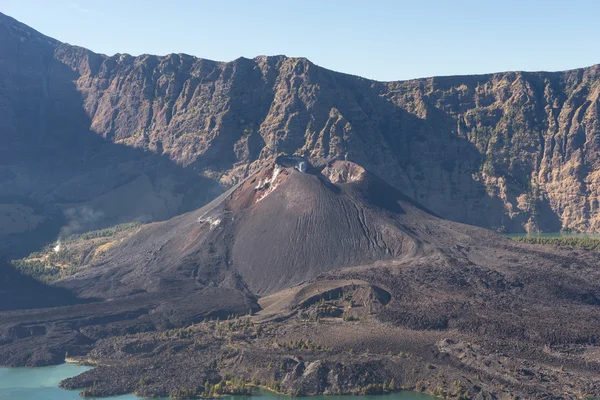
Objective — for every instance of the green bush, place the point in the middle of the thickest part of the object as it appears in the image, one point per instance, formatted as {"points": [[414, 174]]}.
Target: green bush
{"points": [[350, 317], [48, 265]]}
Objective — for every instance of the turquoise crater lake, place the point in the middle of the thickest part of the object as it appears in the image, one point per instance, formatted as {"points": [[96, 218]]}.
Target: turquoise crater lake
{"points": [[42, 384]]}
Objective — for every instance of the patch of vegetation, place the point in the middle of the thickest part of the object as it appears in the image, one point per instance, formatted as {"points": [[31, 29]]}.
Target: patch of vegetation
{"points": [[49, 265], [350, 317], [177, 333], [301, 344], [230, 386], [274, 386], [90, 391], [49, 268], [378, 388], [102, 233], [587, 243]]}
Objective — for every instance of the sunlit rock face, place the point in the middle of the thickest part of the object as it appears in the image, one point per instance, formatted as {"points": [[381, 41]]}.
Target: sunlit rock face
{"points": [[344, 172], [510, 151]]}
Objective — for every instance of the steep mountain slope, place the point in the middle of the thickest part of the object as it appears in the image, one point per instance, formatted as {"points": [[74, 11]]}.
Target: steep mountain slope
{"points": [[56, 176], [350, 283], [284, 225], [345, 282], [143, 138], [18, 292]]}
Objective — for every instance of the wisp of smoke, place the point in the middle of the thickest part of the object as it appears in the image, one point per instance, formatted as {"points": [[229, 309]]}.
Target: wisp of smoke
{"points": [[79, 219]]}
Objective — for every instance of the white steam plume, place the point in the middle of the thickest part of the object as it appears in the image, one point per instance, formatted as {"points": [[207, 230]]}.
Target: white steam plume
{"points": [[79, 219]]}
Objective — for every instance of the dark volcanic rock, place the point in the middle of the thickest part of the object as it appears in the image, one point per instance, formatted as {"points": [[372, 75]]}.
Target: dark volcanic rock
{"points": [[360, 286], [363, 289], [277, 228], [145, 138]]}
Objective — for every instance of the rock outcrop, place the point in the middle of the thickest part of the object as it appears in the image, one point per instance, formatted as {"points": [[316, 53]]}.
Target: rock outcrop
{"points": [[149, 137]]}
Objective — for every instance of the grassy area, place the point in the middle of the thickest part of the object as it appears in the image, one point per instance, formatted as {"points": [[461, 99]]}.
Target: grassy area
{"points": [[49, 265], [588, 243], [102, 233], [48, 268]]}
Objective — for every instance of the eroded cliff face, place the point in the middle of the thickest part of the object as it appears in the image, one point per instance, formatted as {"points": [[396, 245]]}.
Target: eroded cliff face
{"points": [[536, 141], [513, 150], [510, 151]]}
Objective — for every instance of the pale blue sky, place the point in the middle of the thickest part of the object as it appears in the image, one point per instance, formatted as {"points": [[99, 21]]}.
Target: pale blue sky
{"points": [[378, 39]]}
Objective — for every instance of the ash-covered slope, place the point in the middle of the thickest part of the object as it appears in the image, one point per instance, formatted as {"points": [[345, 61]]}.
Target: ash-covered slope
{"points": [[285, 224], [350, 284]]}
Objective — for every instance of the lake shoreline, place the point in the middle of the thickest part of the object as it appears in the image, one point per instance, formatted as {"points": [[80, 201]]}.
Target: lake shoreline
{"points": [[42, 383]]}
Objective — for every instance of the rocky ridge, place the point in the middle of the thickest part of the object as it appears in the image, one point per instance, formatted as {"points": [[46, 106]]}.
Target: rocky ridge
{"points": [[509, 151]]}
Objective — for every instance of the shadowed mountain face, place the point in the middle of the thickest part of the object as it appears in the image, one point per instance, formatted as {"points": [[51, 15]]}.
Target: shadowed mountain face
{"points": [[90, 140], [19, 292], [57, 176]]}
